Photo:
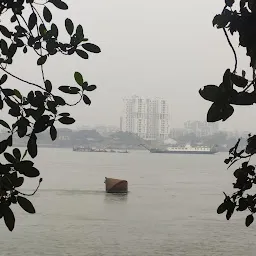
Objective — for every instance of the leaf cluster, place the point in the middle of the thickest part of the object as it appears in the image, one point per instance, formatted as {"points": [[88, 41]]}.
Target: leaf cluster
{"points": [[237, 90], [32, 29]]}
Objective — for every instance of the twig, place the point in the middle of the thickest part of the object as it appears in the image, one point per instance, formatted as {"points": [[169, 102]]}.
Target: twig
{"points": [[231, 46], [229, 42], [22, 80], [24, 194], [41, 52]]}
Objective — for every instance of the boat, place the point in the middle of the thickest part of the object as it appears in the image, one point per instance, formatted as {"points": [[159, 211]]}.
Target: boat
{"points": [[123, 151], [88, 149], [188, 149], [116, 185], [82, 149]]}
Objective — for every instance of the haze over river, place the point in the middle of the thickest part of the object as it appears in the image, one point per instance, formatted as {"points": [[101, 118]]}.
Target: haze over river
{"points": [[170, 209]]}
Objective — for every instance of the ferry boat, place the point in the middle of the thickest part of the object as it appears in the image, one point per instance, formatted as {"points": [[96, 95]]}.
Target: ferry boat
{"points": [[185, 150]]}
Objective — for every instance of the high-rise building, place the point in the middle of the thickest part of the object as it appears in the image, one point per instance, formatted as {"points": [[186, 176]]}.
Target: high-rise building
{"points": [[201, 129], [148, 118]]}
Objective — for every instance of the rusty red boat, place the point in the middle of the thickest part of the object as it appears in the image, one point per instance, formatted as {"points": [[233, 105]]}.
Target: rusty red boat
{"points": [[116, 185]]}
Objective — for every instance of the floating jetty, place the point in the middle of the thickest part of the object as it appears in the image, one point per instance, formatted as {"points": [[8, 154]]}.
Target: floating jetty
{"points": [[88, 149]]}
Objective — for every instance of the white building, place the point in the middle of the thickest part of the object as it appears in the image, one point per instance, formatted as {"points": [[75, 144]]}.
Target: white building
{"points": [[148, 118], [201, 129]]}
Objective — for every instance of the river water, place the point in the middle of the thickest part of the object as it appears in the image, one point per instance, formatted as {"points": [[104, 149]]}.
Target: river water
{"points": [[170, 209]]}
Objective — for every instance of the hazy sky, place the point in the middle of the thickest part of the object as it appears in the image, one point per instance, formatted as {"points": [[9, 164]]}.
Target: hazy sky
{"points": [[161, 48]]}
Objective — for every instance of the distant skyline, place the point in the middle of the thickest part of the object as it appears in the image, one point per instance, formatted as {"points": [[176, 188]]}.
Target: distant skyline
{"points": [[148, 49]]}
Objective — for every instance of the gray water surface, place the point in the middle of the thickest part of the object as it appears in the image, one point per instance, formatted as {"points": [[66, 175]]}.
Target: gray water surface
{"points": [[170, 209]]}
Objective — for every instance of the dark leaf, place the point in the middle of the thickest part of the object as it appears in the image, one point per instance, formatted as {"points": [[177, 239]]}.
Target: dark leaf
{"points": [[219, 112], [5, 31], [221, 21], [12, 50], [69, 26], [242, 204], [54, 31], [25, 204], [3, 79], [9, 218], [251, 146], [239, 80], [41, 124], [16, 153], [18, 182], [86, 100], [59, 4], [69, 89], [91, 88], [53, 133], [84, 85], [4, 124], [22, 124], [82, 54], [13, 199], [60, 101], [229, 3], [4, 47], [243, 99], [32, 21], [249, 220], [9, 141], [24, 165], [32, 146], [1, 103], [14, 112], [222, 208], [17, 94], [52, 106], [42, 60], [8, 92], [230, 210], [66, 120], [48, 86], [42, 30], [31, 172], [24, 155], [79, 33], [210, 92], [91, 48], [64, 114], [13, 18], [25, 49], [19, 43], [47, 14], [10, 158], [227, 83], [79, 78]]}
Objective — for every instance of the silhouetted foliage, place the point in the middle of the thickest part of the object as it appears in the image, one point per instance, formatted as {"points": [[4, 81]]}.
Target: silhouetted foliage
{"points": [[237, 90], [31, 28]]}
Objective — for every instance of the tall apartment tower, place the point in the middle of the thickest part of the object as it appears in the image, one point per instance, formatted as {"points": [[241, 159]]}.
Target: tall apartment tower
{"points": [[148, 118]]}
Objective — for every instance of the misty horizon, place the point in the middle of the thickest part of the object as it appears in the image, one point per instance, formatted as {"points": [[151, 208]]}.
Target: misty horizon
{"points": [[147, 50]]}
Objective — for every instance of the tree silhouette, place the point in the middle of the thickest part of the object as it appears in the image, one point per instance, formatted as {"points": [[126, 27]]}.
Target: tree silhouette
{"points": [[31, 28], [237, 17]]}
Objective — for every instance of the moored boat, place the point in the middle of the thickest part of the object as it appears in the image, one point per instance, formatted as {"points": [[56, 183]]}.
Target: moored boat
{"points": [[89, 149], [116, 185]]}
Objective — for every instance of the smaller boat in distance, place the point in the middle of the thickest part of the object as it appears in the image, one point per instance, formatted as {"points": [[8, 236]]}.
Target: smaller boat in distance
{"points": [[89, 149], [184, 150], [116, 185], [123, 151]]}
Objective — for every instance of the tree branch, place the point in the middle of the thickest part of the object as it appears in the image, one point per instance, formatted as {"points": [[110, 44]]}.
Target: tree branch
{"points": [[232, 47], [22, 80]]}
